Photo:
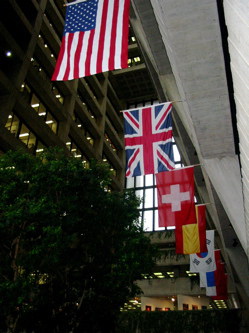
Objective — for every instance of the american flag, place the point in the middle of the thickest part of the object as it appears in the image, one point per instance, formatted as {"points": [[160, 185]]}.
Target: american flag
{"points": [[148, 140], [95, 39]]}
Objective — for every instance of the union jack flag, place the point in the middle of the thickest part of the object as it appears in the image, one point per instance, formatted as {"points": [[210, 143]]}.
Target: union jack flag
{"points": [[148, 140]]}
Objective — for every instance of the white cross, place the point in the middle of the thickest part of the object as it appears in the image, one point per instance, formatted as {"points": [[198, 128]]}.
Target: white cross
{"points": [[175, 197]]}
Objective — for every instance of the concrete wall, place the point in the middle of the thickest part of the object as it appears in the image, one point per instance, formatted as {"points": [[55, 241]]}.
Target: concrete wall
{"points": [[237, 18]]}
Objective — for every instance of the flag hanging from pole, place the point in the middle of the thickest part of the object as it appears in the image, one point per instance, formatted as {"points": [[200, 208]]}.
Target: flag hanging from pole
{"points": [[204, 261], [148, 140], [175, 193], [191, 238], [215, 282], [207, 278], [95, 39]]}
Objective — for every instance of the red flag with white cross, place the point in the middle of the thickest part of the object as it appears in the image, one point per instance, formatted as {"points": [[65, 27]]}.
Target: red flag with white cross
{"points": [[175, 192]]}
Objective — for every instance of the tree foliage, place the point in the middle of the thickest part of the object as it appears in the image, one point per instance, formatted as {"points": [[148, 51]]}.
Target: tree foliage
{"points": [[70, 250]]}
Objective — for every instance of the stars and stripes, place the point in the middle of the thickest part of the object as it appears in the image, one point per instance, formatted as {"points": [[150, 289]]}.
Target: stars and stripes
{"points": [[95, 39], [148, 140]]}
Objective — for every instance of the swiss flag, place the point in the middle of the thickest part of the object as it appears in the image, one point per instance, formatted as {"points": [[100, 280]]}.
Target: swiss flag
{"points": [[175, 192]]}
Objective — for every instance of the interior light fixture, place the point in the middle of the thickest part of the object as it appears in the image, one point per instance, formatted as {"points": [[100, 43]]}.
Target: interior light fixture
{"points": [[8, 54]]}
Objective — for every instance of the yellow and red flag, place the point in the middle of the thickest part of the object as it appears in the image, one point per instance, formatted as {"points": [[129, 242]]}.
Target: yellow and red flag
{"points": [[191, 237]]}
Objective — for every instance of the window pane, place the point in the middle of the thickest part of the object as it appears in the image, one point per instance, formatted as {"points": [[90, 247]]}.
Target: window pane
{"points": [[139, 194], [40, 148], [149, 180], [130, 182], [31, 141], [148, 220], [139, 181], [156, 222], [148, 202], [177, 157], [24, 134]]}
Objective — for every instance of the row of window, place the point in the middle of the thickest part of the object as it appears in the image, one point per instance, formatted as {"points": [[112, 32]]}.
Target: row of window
{"points": [[23, 133], [39, 107]]}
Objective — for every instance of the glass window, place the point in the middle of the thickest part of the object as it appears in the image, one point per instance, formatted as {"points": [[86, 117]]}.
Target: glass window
{"points": [[148, 220], [51, 122], [39, 148], [13, 124], [35, 103], [156, 227], [130, 182], [176, 153], [148, 197], [27, 137], [139, 181], [57, 94], [149, 180], [139, 194]]}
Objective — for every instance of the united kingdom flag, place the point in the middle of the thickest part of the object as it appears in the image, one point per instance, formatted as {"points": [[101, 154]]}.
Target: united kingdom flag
{"points": [[148, 140]]}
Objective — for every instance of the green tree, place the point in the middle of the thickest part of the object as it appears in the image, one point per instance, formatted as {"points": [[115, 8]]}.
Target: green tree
{"points": [[70, 250]]}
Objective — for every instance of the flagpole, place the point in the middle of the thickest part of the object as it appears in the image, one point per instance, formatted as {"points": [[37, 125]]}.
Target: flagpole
{"points": [[204, 204], [72, 3], [187, 166]]}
